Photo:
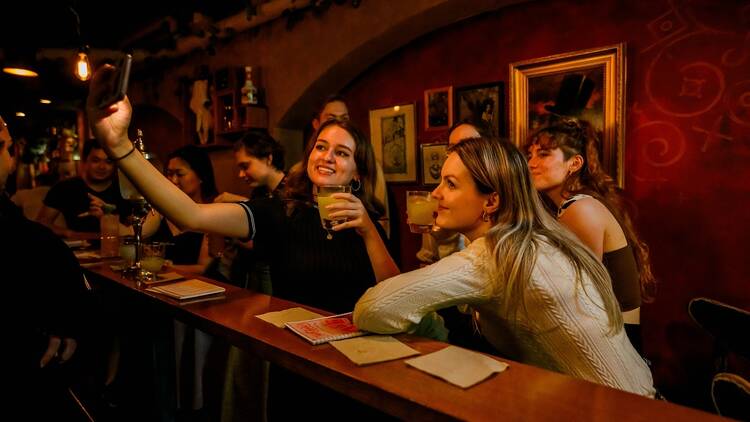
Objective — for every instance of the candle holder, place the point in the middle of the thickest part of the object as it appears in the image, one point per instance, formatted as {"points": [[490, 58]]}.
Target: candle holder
{"points": [[140, 211], [141, 208]]}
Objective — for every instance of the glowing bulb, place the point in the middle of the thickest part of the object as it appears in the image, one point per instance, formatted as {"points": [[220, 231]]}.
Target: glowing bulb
{"points": [[83, 67], [20, 71], [20, 114], [45, 101], [396, 108]]}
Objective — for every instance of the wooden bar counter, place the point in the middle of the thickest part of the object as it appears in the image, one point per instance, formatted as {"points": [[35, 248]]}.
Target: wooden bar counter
{"points": [[522, 392]]}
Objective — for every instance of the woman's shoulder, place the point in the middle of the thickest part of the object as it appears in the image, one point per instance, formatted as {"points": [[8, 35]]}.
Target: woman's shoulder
{"points": [[583, 207]]}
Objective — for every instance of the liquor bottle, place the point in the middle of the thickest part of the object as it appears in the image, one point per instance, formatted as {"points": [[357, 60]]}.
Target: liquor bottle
{"points": [[249, 91]]}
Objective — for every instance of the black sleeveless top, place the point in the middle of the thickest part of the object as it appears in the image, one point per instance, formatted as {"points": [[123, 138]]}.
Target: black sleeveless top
{"points": [[621, 267], [184, 249]]}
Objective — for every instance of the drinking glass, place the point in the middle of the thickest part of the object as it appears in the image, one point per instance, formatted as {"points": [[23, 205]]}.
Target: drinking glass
{"points": [[127, 249], [325, 199], [153, 256], [421, 208]]}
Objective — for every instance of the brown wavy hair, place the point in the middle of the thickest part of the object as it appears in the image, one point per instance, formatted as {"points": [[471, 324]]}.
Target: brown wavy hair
{"points": [[299, 187], [578, 137]]}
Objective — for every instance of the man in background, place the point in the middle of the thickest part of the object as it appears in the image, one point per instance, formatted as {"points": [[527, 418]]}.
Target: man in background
{"points": [[79, 199]]}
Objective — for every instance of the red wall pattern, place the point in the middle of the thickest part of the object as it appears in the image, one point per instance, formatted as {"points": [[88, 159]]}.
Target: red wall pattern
{"points": [[687, 138]]}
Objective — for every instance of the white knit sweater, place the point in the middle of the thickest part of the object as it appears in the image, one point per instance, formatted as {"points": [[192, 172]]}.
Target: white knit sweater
{"points": [[563, 328]]}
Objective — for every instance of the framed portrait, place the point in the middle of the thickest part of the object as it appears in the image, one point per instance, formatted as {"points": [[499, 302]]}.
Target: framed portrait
{"points": [[438, 108], [432, 158], [587, 85], [481, 103], [393, 137]]}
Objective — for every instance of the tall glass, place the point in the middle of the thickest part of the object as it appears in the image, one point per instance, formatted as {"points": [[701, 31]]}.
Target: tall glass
{"points": [[325, 199], [421, 208]]}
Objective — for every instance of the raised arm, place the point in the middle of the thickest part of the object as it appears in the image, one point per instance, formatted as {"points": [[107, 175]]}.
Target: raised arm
{"points": [[110, 126]]}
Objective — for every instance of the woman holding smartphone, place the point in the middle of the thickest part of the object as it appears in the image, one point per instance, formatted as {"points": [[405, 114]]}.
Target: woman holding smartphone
{"points": [[306, 267]]}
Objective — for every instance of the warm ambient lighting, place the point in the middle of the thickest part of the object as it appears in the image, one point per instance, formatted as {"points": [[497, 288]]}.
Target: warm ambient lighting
{"points": [[45, 101], [20, 71], [20, 114], [83, 67], [396, 108]]}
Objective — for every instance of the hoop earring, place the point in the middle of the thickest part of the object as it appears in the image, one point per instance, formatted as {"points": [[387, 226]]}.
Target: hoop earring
{"points": [[358, 187], [485, 216]]}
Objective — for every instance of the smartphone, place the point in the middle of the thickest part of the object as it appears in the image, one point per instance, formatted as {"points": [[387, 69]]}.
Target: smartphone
{"points": [[116, 87]]}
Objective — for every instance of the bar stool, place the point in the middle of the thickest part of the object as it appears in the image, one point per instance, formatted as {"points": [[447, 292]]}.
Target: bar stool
{"points": [[729, 326], [731, 395]]}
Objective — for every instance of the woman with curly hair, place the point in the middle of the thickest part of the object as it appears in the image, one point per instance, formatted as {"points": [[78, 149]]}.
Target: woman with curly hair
{"points": [[565, 168]]}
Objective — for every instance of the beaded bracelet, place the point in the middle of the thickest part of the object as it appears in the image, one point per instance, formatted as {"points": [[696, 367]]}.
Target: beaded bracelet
{"points": [[124, 156]]}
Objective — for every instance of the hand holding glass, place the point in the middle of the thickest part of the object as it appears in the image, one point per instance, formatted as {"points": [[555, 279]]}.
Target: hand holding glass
{"points": [[325, 199], [420, 210]]}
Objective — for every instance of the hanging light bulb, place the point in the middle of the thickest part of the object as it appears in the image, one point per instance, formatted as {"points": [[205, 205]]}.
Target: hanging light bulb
{"points": [[83, 66]]}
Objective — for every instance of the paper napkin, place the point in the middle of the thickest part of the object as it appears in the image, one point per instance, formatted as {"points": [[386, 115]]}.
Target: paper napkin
{"points": [[458, 366]]}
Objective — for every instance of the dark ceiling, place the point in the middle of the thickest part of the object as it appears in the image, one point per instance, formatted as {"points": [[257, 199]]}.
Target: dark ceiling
{"points": [[47, 32]]}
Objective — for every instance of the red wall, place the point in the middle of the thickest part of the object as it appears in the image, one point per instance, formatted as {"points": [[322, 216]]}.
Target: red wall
{"points": [[687, 148]]}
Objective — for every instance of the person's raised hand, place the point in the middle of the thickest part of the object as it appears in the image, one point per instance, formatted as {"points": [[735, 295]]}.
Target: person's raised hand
{"points": [[109, 124]]}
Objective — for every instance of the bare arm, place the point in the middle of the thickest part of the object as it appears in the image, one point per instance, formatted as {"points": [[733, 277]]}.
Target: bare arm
{"points": [[47, 216], [588, 222], [110, 127], [229, 197]]}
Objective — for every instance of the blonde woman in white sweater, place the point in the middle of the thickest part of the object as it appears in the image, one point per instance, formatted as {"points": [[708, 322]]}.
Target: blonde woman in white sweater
{"points": [[538, 295]]}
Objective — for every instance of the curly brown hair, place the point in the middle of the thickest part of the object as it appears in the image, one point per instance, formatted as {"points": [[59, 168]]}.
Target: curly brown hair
{"points": [[578, 137]]}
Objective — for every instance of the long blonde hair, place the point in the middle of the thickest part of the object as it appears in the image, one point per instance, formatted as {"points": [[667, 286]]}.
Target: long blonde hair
{"points": [[521, 223]]}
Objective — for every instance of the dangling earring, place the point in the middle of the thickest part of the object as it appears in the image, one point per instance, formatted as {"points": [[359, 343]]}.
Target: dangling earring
{"points": [[358, 187], [485, 216]]}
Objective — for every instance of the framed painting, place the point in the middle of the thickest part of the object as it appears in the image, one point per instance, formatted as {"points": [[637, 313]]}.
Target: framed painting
{"points": [[438, 108], [393, 137], [432, 158], [481, 104], [587, 85]]}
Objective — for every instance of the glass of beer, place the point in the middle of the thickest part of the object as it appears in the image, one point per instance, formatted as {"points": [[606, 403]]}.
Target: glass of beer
{"points": [[325, 199], [421, 208]]}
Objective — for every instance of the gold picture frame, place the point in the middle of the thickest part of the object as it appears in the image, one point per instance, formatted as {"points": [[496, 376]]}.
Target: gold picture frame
{"points": [[539, 89], [394, 138]]}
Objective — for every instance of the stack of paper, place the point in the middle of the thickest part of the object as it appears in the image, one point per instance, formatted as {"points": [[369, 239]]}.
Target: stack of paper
{"points": [[188, 289]]}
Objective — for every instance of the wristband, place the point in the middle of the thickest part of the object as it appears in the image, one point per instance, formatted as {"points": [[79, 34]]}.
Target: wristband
{"points": [[124, 156]]}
